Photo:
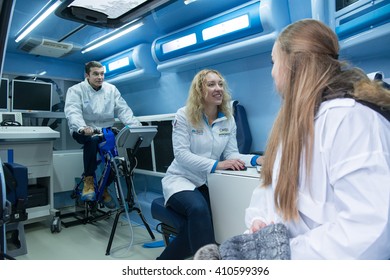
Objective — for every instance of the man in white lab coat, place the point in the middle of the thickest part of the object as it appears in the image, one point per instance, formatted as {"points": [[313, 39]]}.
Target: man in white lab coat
{"points": [[91, 105]]}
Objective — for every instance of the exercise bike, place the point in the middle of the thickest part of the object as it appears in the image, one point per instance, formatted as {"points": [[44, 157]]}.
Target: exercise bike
{"points": [[91, 211], [114, 167]]}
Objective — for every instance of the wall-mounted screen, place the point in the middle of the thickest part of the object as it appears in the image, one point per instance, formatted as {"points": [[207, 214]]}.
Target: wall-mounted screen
{"points": [[4, 95], [31, 96]]}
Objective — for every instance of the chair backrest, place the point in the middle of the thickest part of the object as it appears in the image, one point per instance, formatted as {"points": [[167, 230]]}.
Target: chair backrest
{"points": [[244, 136]]}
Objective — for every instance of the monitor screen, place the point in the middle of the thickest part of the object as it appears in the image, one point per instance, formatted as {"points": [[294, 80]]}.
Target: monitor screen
{"points": [[163, 145], [4, 95], [31, 96], [162, 148]]}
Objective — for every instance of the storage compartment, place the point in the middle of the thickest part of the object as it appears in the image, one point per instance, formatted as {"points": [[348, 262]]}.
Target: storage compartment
{"points": [[37, 196], [361, 26], [134, 64], [360, 16]]}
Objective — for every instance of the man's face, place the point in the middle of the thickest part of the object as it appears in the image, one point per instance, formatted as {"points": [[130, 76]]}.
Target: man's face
{"points": [[95, 77]]}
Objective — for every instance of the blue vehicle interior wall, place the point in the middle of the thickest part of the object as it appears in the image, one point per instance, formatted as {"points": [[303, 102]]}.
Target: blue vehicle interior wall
{"points": [[168, 93]]}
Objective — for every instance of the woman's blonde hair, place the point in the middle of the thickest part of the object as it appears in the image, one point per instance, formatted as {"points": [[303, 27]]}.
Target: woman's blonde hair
{"points": [[308, 51], [195, 102]]}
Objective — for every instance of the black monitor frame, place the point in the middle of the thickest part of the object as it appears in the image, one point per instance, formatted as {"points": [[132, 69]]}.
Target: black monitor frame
{"points": [[4, 95], [23, 101]]}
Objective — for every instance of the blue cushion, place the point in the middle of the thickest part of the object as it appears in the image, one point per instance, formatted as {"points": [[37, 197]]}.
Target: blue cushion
{"points": [[165, 214], [244, 136]]}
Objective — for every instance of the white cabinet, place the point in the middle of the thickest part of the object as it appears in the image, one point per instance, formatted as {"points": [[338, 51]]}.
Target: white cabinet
{"points": [[230, 195]]}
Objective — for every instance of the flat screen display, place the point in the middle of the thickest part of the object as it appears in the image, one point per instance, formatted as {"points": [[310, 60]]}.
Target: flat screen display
{"points": [[31, 96], [163, 147], [4, 95]]}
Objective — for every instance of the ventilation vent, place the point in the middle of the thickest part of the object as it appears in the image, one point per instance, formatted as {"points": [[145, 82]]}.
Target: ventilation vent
{"points": [[47, 47]]}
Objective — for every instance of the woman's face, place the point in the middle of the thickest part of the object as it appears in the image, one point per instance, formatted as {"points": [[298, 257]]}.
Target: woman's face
{"points": [[213, 89], [276, 73]]}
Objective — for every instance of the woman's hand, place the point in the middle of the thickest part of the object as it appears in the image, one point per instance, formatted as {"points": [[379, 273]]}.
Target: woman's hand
{"points": [[234, 164], [257, 225], [260, 160]]}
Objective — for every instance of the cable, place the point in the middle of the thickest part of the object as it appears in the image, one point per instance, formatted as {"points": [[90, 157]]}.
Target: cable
{"points": [[10, 123]]}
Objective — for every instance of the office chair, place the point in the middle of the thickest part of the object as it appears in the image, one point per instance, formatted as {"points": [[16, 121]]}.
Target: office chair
{"points": [[244, 136], [170, 221]]}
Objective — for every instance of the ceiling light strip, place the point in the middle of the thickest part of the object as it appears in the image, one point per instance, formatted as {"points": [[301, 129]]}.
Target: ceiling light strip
{"points": [[109, 37], [36, 20], [226, 27]]}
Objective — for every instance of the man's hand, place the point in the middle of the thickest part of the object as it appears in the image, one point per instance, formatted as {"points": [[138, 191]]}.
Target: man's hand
{"points": [[115, 130], [88, 131]]}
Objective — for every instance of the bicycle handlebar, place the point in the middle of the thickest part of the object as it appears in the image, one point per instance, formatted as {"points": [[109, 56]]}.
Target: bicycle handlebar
{"points": [[99, 132]]}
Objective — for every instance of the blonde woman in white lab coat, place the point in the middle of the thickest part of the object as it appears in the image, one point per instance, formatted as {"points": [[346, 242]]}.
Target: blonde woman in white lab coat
{"points": [[204, 140], [326, 173]]}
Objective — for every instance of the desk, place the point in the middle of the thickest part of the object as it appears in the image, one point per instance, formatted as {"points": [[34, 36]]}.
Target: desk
{"points": [[33, 148], [230, 195]]}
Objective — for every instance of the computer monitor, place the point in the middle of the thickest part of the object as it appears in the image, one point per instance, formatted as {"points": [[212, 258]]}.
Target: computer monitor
{"points": [[31, 96], [130, 136], [163, 147], [4, 104]]}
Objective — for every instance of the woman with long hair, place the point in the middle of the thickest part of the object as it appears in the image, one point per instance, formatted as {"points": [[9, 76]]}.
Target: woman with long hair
{"points": [[326, 171]]}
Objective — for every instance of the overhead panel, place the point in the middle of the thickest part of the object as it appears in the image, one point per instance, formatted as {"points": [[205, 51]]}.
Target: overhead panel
{"points": [[212, 33], [108, 14], [248, 29], [362, 25], [46, 47], [360, 16], [135, 63]]}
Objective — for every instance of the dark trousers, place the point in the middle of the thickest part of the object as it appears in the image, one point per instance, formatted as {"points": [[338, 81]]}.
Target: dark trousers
{"points": [[90, 150], [198, 229]]}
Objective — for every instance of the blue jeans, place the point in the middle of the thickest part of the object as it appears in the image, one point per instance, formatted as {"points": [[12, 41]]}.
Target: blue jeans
{"points": [[198, 229]]}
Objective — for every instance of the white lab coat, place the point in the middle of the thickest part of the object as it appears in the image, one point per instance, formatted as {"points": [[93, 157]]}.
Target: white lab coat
{"points": [[344, 209], [197, 150], [85, 106]]}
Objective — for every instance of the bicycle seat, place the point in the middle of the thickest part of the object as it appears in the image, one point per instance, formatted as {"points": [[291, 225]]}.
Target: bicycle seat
{"points": [[108, 143]]}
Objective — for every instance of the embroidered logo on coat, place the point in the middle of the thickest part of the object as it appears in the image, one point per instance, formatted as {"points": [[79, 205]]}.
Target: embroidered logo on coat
{"points": [[224, 132], [197, 131]]}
